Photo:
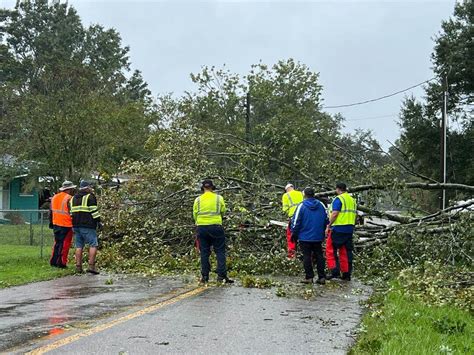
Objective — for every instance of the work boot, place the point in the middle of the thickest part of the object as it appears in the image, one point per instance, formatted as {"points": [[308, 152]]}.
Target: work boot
{"points": [[346, 276], [204, 280], [79, 269], [225, 280], [307, 281], [333, 275], [92, 270], [321, 281]]}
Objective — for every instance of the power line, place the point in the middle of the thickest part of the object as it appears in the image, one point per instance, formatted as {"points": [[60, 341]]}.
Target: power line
{"points": [[380, 98], [372, 118]]}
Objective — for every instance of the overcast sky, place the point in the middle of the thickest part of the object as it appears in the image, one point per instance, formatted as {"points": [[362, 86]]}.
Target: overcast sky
{"points": [[362, 49]]}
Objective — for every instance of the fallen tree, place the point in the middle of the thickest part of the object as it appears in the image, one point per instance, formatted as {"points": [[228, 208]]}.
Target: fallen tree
{"points": [[150, 217]]}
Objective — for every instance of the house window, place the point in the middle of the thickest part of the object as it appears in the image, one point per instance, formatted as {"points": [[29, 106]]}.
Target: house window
{"points": [[25, 188]]}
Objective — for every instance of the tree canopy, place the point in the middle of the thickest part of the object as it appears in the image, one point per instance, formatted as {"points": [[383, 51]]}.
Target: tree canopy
{"points": [[70, 101], [453, 64], [286, 124]]}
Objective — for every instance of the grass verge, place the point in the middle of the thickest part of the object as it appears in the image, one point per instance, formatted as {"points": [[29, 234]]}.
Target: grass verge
{"points": [[20, 264], [404, 325], [24, 234]]}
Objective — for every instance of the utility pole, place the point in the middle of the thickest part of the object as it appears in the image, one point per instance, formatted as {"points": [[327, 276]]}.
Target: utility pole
{"points": [[247, 132], [444, 119], [247, 118]]}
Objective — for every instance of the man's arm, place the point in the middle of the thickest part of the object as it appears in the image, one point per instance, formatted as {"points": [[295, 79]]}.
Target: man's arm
{"points": [[333, 217], [93, 208], [51, 215], [295, 225], [195, 210], [336, 208], [223, 206], [325, 214], [285, 203]]}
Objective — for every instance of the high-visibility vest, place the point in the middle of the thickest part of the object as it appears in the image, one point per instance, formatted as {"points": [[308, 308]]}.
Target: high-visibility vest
{"points": [[208, 209], [83, 207], [60, 209], [348, 213], [290, 201]]}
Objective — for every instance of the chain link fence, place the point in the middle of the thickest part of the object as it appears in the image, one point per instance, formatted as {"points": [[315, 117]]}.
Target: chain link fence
{"points": [[27, 228]]}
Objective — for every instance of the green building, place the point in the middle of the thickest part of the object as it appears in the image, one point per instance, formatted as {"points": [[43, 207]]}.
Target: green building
{"points": [[15, 194]]}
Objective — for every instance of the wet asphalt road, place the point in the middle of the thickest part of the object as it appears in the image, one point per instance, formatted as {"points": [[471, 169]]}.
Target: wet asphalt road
{"points": [[50, 308], [227, 319]]}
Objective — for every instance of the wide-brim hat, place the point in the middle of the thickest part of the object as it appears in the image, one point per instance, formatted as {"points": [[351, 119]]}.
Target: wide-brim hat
{"points": [[67, 185], [208, 184]]}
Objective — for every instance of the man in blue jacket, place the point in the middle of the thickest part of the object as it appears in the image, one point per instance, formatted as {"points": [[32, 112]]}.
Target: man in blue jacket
{"points": [[308, 226]]}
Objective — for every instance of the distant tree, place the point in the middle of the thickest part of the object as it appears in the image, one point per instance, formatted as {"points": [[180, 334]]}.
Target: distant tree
{"points": [[453, 59], [69, 101], [420, 137], [286, 123], [453, 62]]}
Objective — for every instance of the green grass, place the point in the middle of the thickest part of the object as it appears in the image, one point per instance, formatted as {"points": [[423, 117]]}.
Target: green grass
{"points": [[405, 326], [22, 235], [20, 264]]}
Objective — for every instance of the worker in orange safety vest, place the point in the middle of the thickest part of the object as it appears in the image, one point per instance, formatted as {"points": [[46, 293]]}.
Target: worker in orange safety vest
{"points": [[61, 223]]}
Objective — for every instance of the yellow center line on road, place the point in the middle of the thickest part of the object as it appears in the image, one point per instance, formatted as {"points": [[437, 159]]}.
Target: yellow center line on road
{"points": [[102, 327]]}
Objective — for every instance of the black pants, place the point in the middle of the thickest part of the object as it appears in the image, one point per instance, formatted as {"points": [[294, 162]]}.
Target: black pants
{"points": [[342, 244], [62, 243], [311, 251], [212, 236]]}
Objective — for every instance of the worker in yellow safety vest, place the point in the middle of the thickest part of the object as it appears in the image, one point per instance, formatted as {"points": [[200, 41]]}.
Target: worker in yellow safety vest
{"points": [[85, 222], [290, 200], [208, 210], [339, 246]]}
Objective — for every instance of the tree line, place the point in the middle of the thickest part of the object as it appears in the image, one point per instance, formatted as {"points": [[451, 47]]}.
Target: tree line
{"points": [[70, 105]]}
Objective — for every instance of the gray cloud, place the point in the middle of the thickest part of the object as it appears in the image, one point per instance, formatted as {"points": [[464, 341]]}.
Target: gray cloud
{"points": [[362, 49]]}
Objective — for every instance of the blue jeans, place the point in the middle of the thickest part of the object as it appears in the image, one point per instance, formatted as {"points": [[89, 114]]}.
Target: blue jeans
{"points": [[212, 236], [83, 236]]}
